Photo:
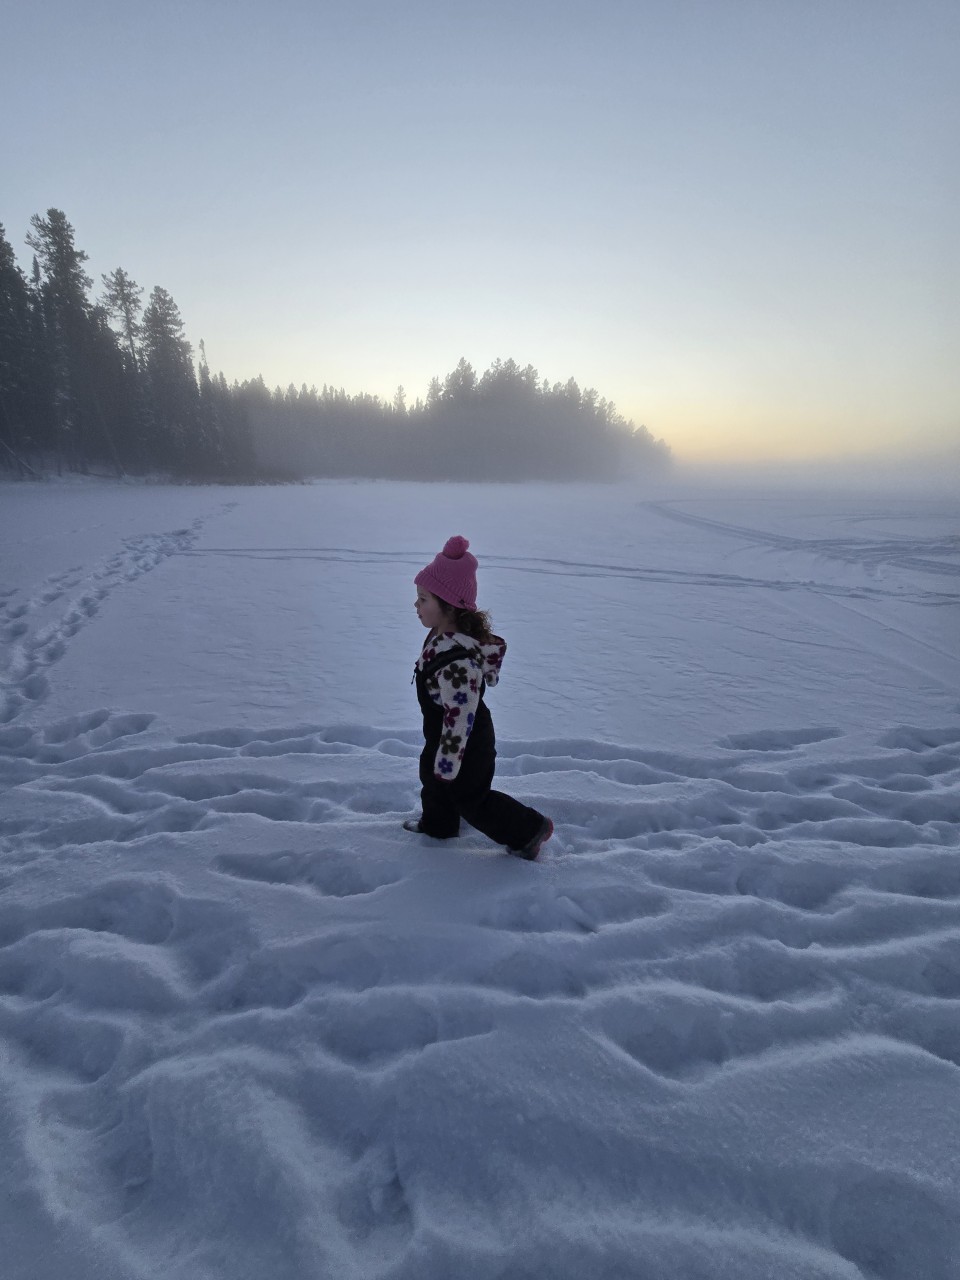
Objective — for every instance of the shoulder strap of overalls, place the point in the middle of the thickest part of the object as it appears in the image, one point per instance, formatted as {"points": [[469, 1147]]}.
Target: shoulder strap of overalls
{"points": [[443, 659]]}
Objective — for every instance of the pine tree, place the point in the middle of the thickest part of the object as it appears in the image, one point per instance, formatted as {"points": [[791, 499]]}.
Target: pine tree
{"points": [[43, 414], [172, 400], [78, 347], [16, 364], [121, 303], [434, 394], [61, 294], [209, 449], [460, 384]]}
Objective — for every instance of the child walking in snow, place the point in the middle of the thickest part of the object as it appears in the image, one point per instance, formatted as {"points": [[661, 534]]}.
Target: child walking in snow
{"points": [[460, 659]]}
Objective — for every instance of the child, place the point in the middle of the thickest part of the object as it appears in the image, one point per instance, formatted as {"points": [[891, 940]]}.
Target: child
{"points": [[460, 657]]}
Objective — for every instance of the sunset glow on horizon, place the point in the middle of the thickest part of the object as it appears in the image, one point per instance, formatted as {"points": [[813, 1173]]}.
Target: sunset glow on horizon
{"points": [[737, 222]]}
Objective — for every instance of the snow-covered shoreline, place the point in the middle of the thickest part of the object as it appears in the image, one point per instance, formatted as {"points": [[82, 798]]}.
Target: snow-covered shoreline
{"points": [[249, 1026]]}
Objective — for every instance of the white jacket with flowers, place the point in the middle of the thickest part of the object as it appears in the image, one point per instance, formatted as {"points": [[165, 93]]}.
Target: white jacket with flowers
{"points": [[456, 688]]}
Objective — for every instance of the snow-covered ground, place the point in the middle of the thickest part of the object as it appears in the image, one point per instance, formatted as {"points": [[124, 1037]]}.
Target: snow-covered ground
{"points": [[251, 1028]]}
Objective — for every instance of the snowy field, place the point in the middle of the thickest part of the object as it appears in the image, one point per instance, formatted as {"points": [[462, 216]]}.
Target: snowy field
{"points": [[251, 1028]]}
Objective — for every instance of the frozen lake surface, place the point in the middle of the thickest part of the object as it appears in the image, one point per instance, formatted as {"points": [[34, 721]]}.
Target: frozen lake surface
{"points": [[249, 1026]]}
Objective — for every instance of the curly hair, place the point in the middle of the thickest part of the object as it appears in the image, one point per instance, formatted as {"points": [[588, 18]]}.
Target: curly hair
{"points": [[472, 622]]}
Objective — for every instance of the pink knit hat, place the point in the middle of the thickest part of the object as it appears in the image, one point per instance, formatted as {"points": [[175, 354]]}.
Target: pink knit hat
{"points": [[452, 575]]}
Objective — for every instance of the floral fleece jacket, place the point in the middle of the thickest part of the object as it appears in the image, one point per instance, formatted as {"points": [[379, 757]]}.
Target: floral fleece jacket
{"points": [[456, 688]]}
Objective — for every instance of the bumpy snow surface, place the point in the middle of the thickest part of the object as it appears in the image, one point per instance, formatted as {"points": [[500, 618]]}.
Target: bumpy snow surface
{"points": [[251, 1028]]}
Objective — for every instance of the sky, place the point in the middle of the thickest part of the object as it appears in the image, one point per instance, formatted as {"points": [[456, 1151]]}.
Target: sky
{"points": [[735, 218]]}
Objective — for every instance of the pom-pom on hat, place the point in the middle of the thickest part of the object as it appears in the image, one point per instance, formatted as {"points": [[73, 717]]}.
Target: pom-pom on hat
{"points": [[452, 575]]}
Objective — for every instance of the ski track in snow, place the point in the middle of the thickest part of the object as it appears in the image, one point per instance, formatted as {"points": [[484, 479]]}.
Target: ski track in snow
{"points": [[739, 921], [638, 573], [940, 555]]}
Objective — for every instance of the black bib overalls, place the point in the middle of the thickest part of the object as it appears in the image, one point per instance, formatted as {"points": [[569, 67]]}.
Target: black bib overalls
{"points": [[505, 820]]}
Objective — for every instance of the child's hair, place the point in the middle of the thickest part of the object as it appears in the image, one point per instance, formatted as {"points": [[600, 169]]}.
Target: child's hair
{"points": [[472, 622]]}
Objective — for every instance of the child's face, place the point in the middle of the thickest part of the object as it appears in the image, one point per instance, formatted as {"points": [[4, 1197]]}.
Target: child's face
{"points": [[430, 610]]}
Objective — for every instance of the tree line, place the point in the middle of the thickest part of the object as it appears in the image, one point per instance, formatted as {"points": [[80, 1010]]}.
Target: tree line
{"points": [[110, 383]]}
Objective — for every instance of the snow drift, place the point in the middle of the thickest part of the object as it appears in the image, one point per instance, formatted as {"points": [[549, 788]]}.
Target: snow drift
{"points": [[249, 1027]]}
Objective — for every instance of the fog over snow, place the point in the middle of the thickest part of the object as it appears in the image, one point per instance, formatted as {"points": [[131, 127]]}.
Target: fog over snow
{"points": [[250, 1027]]}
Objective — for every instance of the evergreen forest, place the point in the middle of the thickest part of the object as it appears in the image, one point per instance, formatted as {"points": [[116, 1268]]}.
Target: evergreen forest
{"points": [[111, 386]]}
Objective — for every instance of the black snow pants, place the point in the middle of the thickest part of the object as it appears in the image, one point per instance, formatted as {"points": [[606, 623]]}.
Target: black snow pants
{"points": [[504, 820]]}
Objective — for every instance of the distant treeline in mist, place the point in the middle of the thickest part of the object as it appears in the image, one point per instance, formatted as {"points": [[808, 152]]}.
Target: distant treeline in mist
{"points": [[111, 385]]}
